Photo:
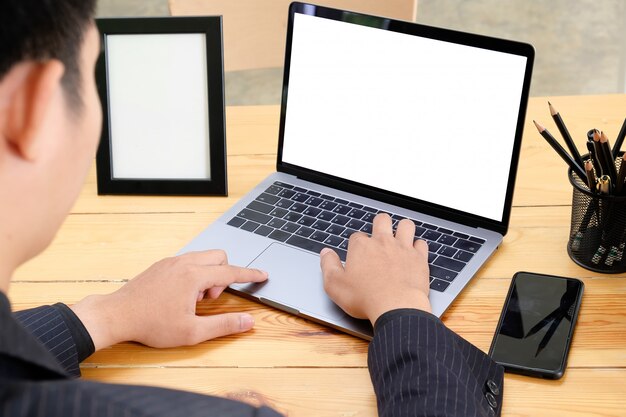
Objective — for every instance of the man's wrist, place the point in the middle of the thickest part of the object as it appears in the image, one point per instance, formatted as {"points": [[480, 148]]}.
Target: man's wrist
{"points": [[418, 301], [98, 315]]}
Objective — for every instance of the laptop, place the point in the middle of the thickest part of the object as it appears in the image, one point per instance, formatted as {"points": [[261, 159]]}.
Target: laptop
{"points": [[380, 115]]}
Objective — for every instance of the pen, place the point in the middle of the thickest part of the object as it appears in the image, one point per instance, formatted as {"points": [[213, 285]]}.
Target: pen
{"points": [[610, 161], [562, 153], [620, 139], [565, 133]]}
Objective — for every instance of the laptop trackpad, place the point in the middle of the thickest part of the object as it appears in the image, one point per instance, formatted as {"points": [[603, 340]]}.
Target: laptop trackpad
{"points": [[295, 281]]}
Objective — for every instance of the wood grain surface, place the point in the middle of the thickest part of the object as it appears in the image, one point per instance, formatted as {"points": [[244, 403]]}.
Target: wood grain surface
{"points": [[305, 369]]}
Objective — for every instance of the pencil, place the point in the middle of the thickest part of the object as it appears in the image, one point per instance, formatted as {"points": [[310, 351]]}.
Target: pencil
{"points": [[620, 139], [565, 134], [592, 154], [610, 161], [591, 177], [600, 153], [562, 152], [621, 176]]}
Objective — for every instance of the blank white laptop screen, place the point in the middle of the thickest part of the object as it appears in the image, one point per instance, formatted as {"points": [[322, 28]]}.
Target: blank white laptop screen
{"points": [[423, 118], [158, 101]]}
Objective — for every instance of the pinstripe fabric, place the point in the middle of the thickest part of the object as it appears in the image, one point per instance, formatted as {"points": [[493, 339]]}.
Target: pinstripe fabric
{"points": [[420, 368]]}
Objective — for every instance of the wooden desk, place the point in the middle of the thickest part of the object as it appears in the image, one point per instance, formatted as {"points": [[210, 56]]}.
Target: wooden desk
{"points": [[304, 369]]}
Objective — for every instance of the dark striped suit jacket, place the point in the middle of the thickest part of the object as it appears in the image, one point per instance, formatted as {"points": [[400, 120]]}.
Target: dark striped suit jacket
{"points": [[418, 368]]}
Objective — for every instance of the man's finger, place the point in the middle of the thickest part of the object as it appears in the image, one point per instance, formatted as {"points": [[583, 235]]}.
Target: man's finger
{"points": [[422, 247], [224, 275], [382, 225], [211, 327], [406, 231]]}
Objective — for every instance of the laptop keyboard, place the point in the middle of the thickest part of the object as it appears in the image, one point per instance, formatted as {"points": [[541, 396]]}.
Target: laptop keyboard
{"points": [[310, 220]]}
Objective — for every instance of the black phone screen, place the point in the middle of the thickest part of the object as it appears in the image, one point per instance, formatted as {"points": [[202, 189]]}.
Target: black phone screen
{"points": [[537, 323]]}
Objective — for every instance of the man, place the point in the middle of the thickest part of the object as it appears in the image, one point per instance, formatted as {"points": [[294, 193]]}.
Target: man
{"points": [[49, 127]]}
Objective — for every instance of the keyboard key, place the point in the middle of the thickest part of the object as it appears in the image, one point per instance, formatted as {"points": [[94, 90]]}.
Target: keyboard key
{"points": [[236, 221], [447, 251], [290, 227], [431, 257], [442, 273], [445, 231], [433, 246], [340, 209], [255, 216], [447, 240], [416, 222], [273, 190], [355, 224], [333, 240], [326, 215], [449, 263], [313, 246], [319, 236], [328, 205], [344, 244], [278, 212], [419, 231], [313, 193], [279, 235], [314, 201], [298, 207], [341, 220], [461, 255], [276, 223], [369, 217], [293, 217], [262, 207], [355, 205], [320, 225], [467, 245], [367, 228], [477, 240], [461, 235], [327, 197], [250, 226], [284, 203], [439, 285], [370, 209], [347, 233], [300, 189], [287, 193], [312, 211], [304, 231], [306, 221], [268, 198], [431, 235], [397, 217], [335, 229], [282, 184], [300, 197], [429, 226], [341, 201], [356, 213], [263, 230]]}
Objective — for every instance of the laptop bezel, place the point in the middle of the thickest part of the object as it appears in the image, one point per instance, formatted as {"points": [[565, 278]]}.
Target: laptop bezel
{"points": [[462, 38]]}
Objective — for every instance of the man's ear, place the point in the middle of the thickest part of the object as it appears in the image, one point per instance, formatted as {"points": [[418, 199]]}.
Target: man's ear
{"points": [[27, 94]]}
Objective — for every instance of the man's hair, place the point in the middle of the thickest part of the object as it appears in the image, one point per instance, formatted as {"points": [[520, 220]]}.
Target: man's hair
{"points": [[39, 30]]}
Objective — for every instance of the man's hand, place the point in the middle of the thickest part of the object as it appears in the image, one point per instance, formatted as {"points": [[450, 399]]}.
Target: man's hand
{"points": [[381, 273], [158, 307]]}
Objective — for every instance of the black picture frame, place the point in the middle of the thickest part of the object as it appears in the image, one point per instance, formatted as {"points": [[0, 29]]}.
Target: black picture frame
{"points": [[216, 181]]}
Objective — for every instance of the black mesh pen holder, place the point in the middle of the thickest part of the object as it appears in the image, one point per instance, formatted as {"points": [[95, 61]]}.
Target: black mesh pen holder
{"points": [[597, 239]]}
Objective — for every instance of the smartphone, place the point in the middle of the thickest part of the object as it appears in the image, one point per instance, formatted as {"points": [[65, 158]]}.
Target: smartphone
{"points": [[536, 326]]}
